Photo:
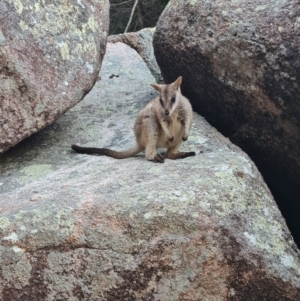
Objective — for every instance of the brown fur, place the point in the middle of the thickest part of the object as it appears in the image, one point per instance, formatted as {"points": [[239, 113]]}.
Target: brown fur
{"points": [[162, 123]]}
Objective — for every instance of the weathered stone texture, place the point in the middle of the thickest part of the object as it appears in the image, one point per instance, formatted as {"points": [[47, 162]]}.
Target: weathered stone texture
{"points": [[79, 227], [50, 56], [241, 64], [141, 41]]}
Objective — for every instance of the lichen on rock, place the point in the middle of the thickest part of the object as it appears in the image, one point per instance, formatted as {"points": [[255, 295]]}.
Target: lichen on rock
{"points": [[50, 56]]}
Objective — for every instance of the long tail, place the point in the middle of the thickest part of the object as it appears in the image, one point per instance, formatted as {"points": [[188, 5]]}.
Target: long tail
{"points": [[108, 152]]}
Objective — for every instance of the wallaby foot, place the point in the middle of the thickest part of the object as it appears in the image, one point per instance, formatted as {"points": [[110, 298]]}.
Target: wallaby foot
{"points": [[180, 155], [159, 158]]}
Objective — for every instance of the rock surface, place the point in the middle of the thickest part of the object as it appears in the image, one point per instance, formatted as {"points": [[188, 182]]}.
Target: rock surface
{"points": [[79, 227], [241, 62], [50, 57], [141, 41]]}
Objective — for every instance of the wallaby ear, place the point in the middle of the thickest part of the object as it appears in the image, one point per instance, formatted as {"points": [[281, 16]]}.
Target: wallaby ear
{"points": [[178, 82], [156, 87]]}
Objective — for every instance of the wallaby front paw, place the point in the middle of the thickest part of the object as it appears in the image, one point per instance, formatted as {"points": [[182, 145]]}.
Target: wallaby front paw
{"points": [[185, 137], [170, 138]]}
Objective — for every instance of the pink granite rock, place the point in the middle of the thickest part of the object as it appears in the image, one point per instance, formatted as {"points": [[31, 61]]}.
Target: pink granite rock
{"points": [[50, 56], [240, 61]]}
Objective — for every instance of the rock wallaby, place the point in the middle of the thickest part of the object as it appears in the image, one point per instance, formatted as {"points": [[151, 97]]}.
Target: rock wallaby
{"points": [[163, 123]]}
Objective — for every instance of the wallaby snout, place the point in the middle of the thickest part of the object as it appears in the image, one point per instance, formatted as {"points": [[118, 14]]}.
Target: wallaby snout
{"points": [[167, 113]]}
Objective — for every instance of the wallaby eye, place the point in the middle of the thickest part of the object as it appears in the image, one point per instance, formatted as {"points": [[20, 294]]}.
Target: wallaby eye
{"points": [[173, 99], [161, 102]]}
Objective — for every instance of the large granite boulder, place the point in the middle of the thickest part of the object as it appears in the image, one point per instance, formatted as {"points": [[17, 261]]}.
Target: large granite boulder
{"points": [[50, 56], [241, 64], [79, 227]]}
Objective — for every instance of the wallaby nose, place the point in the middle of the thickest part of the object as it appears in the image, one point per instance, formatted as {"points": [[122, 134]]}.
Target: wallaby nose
{"points": [[167, 112]]}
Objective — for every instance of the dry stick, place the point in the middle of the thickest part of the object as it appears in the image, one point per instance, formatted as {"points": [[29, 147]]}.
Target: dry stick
{"points": [[131, 15]]}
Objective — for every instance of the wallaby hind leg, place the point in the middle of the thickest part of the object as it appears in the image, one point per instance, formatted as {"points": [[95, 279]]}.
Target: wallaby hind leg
{"points": [[173, 154]]}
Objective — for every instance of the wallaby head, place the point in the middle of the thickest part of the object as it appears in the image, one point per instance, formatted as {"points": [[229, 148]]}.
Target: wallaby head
{"points": [[169, 95]]}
